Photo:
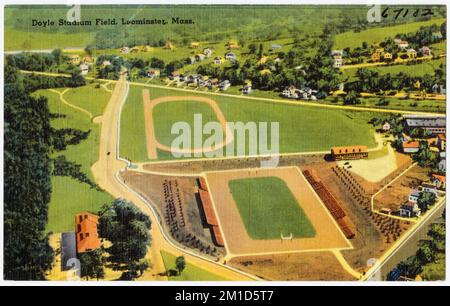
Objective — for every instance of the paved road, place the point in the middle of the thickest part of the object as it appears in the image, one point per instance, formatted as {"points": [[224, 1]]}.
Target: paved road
{"points": [[105, 171]]}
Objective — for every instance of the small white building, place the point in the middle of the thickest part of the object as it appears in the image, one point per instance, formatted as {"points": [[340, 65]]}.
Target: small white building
{"points": [[84, 68], [224, 85], [230, 56], [409, 210], [207, 52], [386, 127], [414, 196]]}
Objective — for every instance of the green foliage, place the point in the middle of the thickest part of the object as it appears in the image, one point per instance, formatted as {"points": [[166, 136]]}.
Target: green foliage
{"points": [[92, 264], [351, 98], [63, 167], [128, 230], [180, 264], [27, 185], [426, 199]]}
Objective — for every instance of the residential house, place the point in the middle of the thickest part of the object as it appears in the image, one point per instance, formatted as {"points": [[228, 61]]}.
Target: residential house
{"points": [[84, 68], [175, 75], [89, 60], [438, 181], [337, 61], [73, 59], [387, 56], [247, 89], [230, 56], [428, 187], [337, 52], [86, 232], [411, 147], [124, 50], [414, 196], [426, 51], [442, 164], [153, 73], [403, 44], [200, 57], [386, 127], [291, 92], [375, 57], [412, 54], [106, 63], [409, 210], [218, 60], [224, 85], [207, 52]]}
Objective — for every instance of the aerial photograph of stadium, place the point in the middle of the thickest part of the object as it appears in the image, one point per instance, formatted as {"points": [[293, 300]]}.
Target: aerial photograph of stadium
{"points": [[224, 143]]}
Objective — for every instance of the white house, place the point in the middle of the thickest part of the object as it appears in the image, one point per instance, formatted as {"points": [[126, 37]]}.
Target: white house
{"points": [[207, 52], [247, 89], [230, 56], [84, 68], [224, 85], [414, 196], [427, 187], [409, 209], [386, 127], [337, 61]]}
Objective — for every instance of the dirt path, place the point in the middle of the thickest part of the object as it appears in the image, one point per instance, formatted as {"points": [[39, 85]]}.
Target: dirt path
{"points": [[61, 97], [106, 171], [150, 129]]}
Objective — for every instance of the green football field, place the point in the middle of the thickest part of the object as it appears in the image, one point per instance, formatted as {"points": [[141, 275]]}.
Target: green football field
{"points": [[269, 209]]}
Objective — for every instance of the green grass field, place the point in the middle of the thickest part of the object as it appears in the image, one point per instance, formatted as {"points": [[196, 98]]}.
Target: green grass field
{"points": [[301, 128], [190, 273], [376, 35], [89, 97], [165, 115], [268, 208], [69, 196], [419, 70]]}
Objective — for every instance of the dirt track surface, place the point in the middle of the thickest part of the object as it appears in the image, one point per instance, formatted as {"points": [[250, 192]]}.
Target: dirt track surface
{"points": [[105, 170], [328, 234], [153, 143]]}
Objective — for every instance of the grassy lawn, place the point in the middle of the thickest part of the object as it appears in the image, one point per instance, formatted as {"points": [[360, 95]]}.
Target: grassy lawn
{"points": [[36, 40], [268, 208], [89, 97], [69, 196], [301, 128], [190, 273], [434, 271], [418, 70], [165, 115], [376, 35]]}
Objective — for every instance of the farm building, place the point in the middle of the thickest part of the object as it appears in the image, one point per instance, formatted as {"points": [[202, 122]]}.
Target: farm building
{"points": [[411, 146], [432, 124], [86, 232], [350, 152]]}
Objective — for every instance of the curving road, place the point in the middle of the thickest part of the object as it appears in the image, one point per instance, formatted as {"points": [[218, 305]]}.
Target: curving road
{"points": [[106, 171]]}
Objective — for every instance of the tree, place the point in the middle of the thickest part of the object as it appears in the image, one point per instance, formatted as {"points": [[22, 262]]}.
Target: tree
{"points": [[128, 230], [92, 264], [351, 98], [27, 181], [426, 199], [180, 264], [252, 48]]}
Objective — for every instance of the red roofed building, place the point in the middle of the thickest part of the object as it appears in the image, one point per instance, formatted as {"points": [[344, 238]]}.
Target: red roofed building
{"points": [[411, 146], [86, 232], [350, 152], [438, 181]]}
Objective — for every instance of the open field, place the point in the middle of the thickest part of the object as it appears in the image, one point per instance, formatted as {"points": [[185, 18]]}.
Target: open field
{"points": [[190, 273], [89, 97], [237, 239], [375, 35], [269, 198], [426, 67], [62, 207], [329, 127]]}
